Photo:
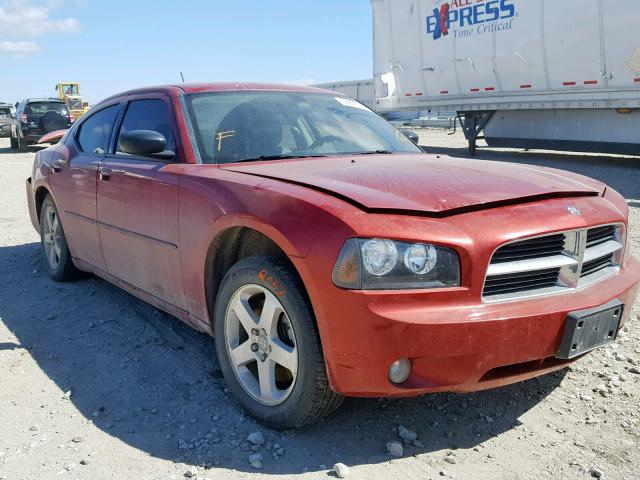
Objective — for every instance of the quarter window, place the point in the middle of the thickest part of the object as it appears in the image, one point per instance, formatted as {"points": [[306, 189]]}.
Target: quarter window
{"points": [[148, 115], [95, 132]]}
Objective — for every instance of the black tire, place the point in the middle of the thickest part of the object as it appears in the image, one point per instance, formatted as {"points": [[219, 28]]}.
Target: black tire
{"points": [[14, 143], [22, 144], [311, 397], [63, 270]]}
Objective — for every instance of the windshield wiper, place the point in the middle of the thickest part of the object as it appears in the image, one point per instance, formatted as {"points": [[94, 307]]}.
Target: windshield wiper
{"points": [[264, 158], [373, 152]]}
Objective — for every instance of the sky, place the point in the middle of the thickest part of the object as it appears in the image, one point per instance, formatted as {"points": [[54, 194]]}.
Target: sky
{"points": [[112, 46]]}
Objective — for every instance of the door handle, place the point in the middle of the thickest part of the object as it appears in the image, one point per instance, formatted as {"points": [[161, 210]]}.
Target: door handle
{"points": [[104, 174], [56, 167]]}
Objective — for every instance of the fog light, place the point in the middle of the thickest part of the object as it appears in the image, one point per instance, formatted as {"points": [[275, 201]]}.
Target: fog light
{"points": [[399, 370]]}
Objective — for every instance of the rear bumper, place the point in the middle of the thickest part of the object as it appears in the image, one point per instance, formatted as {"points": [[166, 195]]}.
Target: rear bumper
{"points": [[458, 347], [31, 135], [31, 138]]}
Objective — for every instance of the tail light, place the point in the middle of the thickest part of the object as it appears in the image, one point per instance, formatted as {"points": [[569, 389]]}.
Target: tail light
{"points": [[25, 118]]}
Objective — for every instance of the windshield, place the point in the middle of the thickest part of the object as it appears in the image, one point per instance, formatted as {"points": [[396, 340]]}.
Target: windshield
{"points": [[243, 126], [40, 108]]}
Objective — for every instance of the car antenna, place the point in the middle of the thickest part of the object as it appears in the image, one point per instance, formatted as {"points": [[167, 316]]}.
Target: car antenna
{"points": [[182, 76]]}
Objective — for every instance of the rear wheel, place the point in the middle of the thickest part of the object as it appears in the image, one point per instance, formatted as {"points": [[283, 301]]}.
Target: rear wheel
{"points": [[14, 143], [54, 244], [268, 345]]}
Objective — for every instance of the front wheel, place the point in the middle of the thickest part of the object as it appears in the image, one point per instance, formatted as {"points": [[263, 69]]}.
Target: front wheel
{"points": [[14, 143], [268, 345], [54, 244]]}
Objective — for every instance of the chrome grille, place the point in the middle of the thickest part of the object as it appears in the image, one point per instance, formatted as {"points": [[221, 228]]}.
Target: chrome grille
{"points": [[596, 236], [589, 268], [534, 248], [553, 263], [509, 283]]}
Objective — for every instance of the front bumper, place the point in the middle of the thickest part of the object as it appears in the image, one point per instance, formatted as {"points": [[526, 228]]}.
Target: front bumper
{"points": [[460, 347], [455, 341]]}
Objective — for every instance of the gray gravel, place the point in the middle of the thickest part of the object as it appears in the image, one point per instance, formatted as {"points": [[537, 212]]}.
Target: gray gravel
{"points": [[144, 392]]}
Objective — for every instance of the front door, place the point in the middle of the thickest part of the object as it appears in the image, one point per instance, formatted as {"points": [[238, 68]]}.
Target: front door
{"points": [[138, 209]]}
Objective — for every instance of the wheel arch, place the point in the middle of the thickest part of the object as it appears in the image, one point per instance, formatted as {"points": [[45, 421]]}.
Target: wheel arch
{"points": [[40, 194], [230, 246]]}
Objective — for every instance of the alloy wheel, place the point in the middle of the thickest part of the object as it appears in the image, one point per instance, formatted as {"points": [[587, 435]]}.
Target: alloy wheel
{"points": [[261, 344], [52, 237]]}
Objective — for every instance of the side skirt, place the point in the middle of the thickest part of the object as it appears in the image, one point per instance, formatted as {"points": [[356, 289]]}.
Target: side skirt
{"points": [[169, 308]]}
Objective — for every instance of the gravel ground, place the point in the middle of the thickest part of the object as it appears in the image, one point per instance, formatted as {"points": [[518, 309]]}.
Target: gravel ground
{"points": [[95, 384]]}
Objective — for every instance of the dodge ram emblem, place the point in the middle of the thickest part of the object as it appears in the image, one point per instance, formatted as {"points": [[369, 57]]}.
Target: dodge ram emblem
{"points": [[574, 211]]}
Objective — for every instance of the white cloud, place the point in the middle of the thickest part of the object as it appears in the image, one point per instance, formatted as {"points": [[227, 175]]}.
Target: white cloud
{"points": [[24, 19], [18, 49], [20, 18]]}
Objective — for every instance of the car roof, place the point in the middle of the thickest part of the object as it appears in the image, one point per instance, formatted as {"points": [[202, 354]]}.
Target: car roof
{"points": [[220, 87], [49, 100]]}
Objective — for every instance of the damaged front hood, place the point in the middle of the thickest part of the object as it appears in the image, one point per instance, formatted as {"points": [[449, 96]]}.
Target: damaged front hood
{"points": [[424, 183]]}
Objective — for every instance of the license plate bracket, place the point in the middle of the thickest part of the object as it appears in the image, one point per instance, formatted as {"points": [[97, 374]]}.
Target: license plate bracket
{"points": [[586, 330]]}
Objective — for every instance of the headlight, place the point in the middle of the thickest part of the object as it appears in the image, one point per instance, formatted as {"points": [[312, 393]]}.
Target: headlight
{"points": [[379, 257], [420, 259], [379, 264]]}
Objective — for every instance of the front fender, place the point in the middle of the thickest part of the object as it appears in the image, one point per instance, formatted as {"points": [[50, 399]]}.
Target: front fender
{"points": [[213, 200]]}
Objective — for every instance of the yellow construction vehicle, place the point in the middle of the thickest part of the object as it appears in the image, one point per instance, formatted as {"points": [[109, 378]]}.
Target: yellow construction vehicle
{"points": [[69, 93]]}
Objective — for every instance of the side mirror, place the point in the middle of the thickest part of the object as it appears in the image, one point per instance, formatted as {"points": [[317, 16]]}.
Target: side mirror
{"points": [[411, 135], [146, 143]]}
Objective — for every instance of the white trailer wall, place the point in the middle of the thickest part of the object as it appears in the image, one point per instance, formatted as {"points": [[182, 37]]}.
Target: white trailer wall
{"points": [[528, 73], [361, 90], [507, 54]]}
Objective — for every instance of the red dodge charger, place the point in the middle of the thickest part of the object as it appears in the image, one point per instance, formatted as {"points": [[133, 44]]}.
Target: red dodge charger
{"points": [[327, 253]]}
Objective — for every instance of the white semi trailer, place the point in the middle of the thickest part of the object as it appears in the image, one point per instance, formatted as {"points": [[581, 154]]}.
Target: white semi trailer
{"points": [[552, 74], [361, 90]]}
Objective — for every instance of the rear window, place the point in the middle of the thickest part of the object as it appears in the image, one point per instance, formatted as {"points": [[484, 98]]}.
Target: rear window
{"points": [[5, 112], [40, 108]]}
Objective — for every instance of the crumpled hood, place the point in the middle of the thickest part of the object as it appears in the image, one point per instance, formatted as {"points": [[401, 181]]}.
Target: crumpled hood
{"points": [[424, 183]]}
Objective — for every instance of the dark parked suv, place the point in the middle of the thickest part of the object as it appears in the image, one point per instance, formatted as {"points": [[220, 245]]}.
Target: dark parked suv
{"points": [[36, 117], [7, 116]]}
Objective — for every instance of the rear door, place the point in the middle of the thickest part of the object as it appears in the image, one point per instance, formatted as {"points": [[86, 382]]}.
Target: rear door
{"points": [[138, 207], [73, 182]]}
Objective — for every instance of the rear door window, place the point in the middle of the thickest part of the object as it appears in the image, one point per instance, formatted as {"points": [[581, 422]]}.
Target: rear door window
{"points": [[152, 114], [95, 132]]}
